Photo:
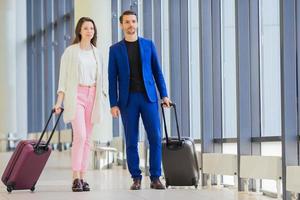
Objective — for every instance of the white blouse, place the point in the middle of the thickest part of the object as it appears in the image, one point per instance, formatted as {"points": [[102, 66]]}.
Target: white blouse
{"points": [[87, 67]]}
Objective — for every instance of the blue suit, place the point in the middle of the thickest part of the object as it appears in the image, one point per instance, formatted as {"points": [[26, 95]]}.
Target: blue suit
{"points": [[136, 104]]}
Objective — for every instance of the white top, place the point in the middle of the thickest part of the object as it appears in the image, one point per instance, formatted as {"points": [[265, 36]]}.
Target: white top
{"points": [[87, 67], [69, 80]]}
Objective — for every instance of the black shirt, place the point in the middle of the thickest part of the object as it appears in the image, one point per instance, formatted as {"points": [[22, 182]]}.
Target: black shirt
{"points": [[136, 74]]}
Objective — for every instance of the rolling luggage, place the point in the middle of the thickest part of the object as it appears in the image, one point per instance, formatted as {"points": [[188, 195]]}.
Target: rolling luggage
{"points": [[179, 158], [28, 161]]}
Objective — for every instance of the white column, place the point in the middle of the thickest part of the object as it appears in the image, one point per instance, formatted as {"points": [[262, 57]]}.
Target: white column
{"points": [[13, 69], [165, 58], [21, 68], [100, 12], [8, 116]]}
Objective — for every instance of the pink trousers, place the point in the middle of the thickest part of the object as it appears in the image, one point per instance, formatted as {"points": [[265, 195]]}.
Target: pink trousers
{"points": [[82, 128]]}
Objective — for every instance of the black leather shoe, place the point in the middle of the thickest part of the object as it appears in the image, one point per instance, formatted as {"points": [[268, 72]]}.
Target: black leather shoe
{"points": [[156, 184], [77, 185], [136, 185], [85, 186]]}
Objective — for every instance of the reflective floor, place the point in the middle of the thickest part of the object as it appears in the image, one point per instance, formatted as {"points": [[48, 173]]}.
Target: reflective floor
{"points": [[107, 184]]}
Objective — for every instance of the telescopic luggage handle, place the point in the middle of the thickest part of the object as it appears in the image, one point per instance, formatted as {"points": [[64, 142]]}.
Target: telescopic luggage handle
{"points": [[165, 124], [44, 131]]}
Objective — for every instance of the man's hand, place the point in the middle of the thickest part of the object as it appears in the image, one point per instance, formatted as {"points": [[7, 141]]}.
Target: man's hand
{"points": [[115, 111], [167, 102]]}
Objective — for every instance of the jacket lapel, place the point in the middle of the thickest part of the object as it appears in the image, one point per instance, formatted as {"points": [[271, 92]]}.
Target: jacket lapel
{"points": [[141, 50], [142, 55], [125, 56]]}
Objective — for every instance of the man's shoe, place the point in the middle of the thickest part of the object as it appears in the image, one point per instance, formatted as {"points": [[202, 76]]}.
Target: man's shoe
{"points": [[156, 184], [136, 185], [85, 186], [77, 185]]}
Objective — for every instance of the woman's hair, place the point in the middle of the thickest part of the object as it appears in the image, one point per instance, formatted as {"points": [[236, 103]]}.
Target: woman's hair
{"points": [[78, 29]]}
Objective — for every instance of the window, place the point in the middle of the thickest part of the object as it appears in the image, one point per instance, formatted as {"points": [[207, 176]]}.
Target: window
{"points": [[229, 100], [49, 27], [194, 73], [270, 67]]}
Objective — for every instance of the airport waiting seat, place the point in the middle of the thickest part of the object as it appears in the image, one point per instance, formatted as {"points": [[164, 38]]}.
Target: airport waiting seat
{"points": [[261, 167], [219, 164], [293, 180]]}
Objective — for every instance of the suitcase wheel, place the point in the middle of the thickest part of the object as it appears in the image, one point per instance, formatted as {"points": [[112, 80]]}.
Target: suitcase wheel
{"points": [[195, 182], [9, 189], [167, 183], [32, 189]]}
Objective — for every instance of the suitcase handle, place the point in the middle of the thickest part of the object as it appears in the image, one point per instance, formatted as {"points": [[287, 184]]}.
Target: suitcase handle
{"points": [[165, 124], [44, 131]]}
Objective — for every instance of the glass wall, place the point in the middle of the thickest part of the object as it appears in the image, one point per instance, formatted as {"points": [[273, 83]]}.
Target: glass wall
{"points": [[229, 112], [270, 80], [50, 27], [194, 73], [270, 67]]}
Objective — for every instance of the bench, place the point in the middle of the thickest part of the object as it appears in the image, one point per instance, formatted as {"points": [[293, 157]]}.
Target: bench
{"points": [[219, 164]]}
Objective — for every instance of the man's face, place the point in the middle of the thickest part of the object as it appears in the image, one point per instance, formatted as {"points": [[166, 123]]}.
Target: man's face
{"points": [[129, 25]]}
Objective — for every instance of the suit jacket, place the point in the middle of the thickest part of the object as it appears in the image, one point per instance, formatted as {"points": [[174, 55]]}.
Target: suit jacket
{"points": [[119, 73]]}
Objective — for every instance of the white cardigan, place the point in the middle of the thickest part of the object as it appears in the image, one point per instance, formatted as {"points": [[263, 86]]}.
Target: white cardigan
{"points": [[69, 80]]}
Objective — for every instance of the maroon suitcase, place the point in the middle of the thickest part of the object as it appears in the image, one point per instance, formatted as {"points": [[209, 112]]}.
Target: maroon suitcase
{"points": [[28, 161]]}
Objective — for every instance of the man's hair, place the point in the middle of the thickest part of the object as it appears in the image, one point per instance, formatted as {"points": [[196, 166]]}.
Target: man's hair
{"points": [[127, 12]]}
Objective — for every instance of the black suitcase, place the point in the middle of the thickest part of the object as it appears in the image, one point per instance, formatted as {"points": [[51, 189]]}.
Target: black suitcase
{"points": [[179, 158]]}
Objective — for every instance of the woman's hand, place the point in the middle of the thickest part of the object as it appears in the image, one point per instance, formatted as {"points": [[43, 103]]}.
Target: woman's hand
{"points": [[57, 109]]}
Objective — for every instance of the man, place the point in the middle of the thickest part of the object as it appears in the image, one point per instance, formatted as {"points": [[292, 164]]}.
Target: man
{"points": [[133, 67]]}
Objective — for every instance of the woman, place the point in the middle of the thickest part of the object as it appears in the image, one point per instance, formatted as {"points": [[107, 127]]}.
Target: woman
{"points": [[82, 91]]}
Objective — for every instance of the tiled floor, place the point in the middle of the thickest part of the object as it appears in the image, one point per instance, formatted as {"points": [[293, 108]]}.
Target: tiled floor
{"points": [[112, 184]]}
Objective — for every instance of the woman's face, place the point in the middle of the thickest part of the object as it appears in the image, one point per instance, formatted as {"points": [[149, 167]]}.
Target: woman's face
{"points": [[87, 30]]}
